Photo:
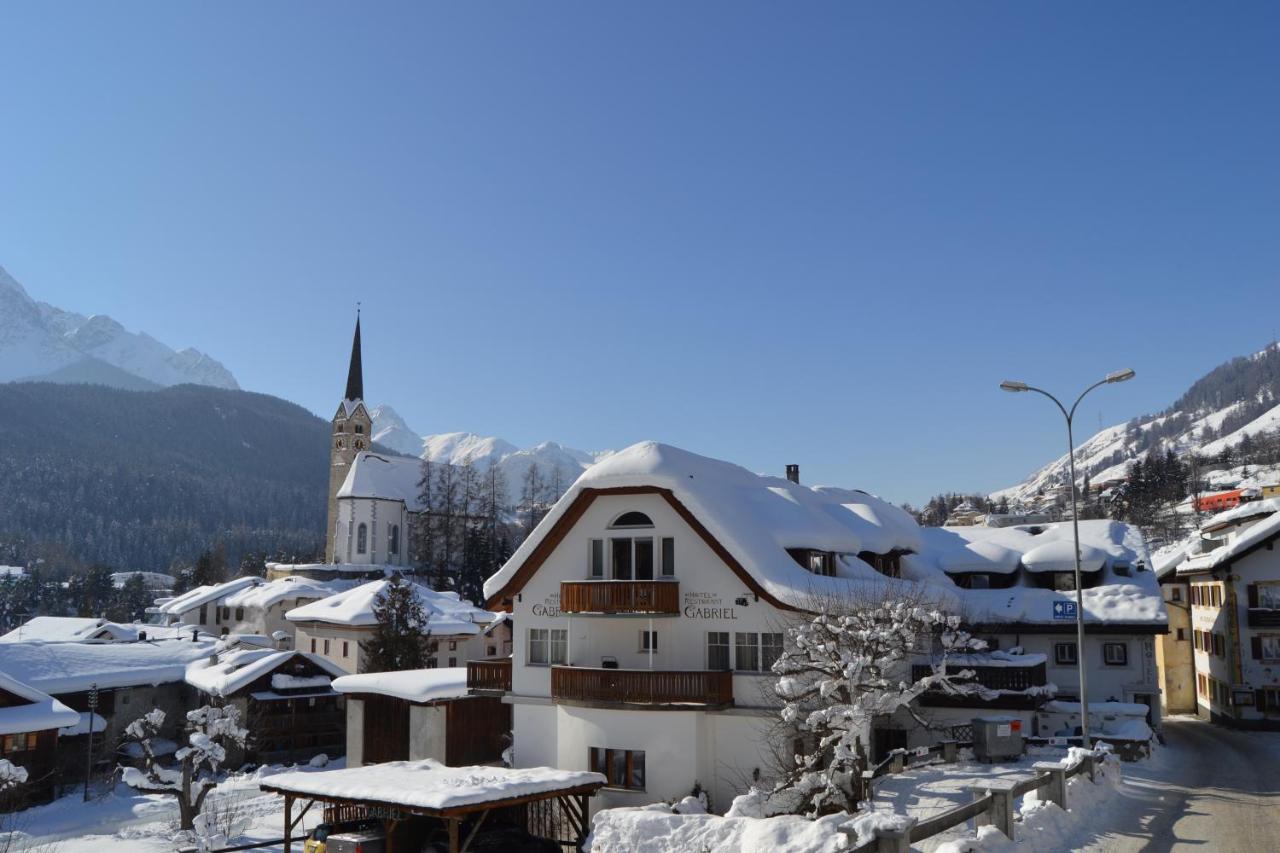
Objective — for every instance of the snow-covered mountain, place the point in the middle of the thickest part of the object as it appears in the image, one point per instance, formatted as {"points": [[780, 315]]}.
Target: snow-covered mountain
{"points": [[41, 341], [1234, 403], [557, 464]]}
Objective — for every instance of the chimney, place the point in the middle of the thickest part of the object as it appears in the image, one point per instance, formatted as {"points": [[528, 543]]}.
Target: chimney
{"points": [[793, 473]]}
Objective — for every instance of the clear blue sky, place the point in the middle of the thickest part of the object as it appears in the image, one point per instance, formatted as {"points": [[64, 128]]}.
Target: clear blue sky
{"points": [[814, 233]]}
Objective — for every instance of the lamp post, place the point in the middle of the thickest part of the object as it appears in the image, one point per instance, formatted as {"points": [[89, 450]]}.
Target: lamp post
{"points": [[1015, 387]]}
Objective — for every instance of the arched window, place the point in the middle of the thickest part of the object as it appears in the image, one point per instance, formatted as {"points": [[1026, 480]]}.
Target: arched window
{"points": [[394, 545], [362, 539], [632, 519], [359, 444], [338, 444]]}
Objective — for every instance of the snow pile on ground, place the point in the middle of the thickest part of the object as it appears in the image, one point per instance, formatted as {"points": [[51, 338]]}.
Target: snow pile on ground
{"points": [[1043, 825], [656, 829]]}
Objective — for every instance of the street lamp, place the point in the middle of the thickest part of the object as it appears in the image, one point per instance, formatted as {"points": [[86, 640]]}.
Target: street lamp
{"points": [[1015, 387]]}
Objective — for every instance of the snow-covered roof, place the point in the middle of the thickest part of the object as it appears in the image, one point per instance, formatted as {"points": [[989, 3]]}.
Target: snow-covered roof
{"points": [[233, 671], [428, 784], [1244, 540], [67, 629], [150, 580], [1059, 555], [1240, 514], [757, 518], [446, 613], [375, 475], [273, 592], [414, 685], [72, 667], [193, 598], [39, 712], [81, 727]]}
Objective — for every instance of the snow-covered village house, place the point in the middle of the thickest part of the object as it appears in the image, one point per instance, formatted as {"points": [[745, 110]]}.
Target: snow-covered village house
{"points": [[259, 609], [1233, 586], [653, 599], [202, 607], [285, 699], [29, 724], [129, 679], [340, 627]]}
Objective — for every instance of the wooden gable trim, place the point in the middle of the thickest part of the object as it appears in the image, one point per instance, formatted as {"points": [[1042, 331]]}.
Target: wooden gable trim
{"points": [[501, 600]]}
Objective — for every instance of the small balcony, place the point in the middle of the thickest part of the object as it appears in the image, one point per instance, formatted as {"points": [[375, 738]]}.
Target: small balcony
{"points": [[644, 687], [489, 676], [607, 597], [1012, 682], [1263, 617]]}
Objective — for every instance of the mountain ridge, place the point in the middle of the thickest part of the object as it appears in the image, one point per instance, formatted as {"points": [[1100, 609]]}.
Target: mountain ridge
{"points": [[39, 341]]}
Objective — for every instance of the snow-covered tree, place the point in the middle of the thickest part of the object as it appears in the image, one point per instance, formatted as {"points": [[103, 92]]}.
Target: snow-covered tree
{"points": [[212, 730], [398, 637], [842, 666]]}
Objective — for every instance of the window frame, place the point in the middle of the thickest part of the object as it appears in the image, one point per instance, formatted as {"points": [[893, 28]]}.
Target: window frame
{"points": [[362, 538], [604, 761], [726, 645], [1058, 657], [1111, 646]]}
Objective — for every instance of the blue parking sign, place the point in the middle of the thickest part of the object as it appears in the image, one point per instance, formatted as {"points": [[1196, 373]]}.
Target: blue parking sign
{"points": [[1064, 610]]}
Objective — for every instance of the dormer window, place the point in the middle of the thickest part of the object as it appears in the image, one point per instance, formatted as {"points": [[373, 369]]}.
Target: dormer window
{"points": [[632, 519], [818, 562]]}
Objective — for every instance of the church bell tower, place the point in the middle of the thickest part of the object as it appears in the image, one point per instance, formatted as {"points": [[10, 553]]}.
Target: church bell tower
{"points": [[352, 428]]}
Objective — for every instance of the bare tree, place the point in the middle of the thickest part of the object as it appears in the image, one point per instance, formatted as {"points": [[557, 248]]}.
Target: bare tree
{"points": [[847, 661], [212, 731]]}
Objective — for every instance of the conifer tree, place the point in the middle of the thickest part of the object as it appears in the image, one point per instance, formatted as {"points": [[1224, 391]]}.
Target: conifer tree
{"points": [[398, 637]]}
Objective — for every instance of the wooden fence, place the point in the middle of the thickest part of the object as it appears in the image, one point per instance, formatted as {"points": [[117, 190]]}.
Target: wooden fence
{"points": [[993, 800]]}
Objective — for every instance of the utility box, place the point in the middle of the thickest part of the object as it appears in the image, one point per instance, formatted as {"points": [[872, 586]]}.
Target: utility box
{"points": [[361, 841], [997, 738]]}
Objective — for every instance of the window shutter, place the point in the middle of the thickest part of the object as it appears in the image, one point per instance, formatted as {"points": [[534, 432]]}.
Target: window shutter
{"points": [[1253, 595], [1256, 643]]}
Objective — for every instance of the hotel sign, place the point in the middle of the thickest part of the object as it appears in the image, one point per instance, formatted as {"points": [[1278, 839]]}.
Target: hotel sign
{"points": [[706, 605], [549, 606]]}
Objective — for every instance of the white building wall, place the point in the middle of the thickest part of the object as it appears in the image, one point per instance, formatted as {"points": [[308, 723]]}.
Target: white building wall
{"points": [[355, 731], [427, 732], [1261, 566], [379, 516]]}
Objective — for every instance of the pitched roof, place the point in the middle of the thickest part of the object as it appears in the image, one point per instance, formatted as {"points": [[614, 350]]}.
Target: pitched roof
{"points": [[233, 671], [284, 589], [393, 478], [71, 667], [193, 598], [447, 614], [39, 712], [751, 520]]}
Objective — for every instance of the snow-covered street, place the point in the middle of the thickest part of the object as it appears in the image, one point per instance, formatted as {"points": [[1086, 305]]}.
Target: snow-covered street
{"points": [[1211, 788]]}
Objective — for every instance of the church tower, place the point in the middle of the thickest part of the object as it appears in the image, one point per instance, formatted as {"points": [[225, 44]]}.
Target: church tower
{"points": [[352, 429]]}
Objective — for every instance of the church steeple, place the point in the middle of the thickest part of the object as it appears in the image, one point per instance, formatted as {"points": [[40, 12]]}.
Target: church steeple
{"points": [[355, 373]]}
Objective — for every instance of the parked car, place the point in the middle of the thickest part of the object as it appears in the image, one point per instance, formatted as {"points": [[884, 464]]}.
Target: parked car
{"points": [[318, 840]]}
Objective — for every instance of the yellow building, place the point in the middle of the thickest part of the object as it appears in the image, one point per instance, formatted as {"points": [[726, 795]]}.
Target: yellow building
{"points": [[1175, 657]]}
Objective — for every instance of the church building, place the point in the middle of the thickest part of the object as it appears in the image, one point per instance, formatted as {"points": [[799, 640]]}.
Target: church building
{"points": [[372, 496]]}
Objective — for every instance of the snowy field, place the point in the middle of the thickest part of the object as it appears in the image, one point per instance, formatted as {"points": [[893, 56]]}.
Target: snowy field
{"points": [[123, 821]]}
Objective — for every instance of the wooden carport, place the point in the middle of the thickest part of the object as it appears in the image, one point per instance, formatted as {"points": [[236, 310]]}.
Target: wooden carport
{"points": [[452, 795]]}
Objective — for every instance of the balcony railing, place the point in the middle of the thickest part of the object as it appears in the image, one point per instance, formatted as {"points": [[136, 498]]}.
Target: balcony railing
{"points": [[620, 597], [642, 686], [1014, 681], [492, 675], [1263, 617]]}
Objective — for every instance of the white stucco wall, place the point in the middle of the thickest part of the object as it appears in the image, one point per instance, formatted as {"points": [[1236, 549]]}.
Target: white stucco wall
{"points": [[355, 731]]}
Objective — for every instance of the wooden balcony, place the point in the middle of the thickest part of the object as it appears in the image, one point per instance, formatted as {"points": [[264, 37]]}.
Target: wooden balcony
{"points": [[1012, 681], [490, 676], [617, 597], [650, 688]]}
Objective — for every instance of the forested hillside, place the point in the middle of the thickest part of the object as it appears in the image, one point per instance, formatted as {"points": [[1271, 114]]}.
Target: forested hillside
{"points": [[139, 479]]}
